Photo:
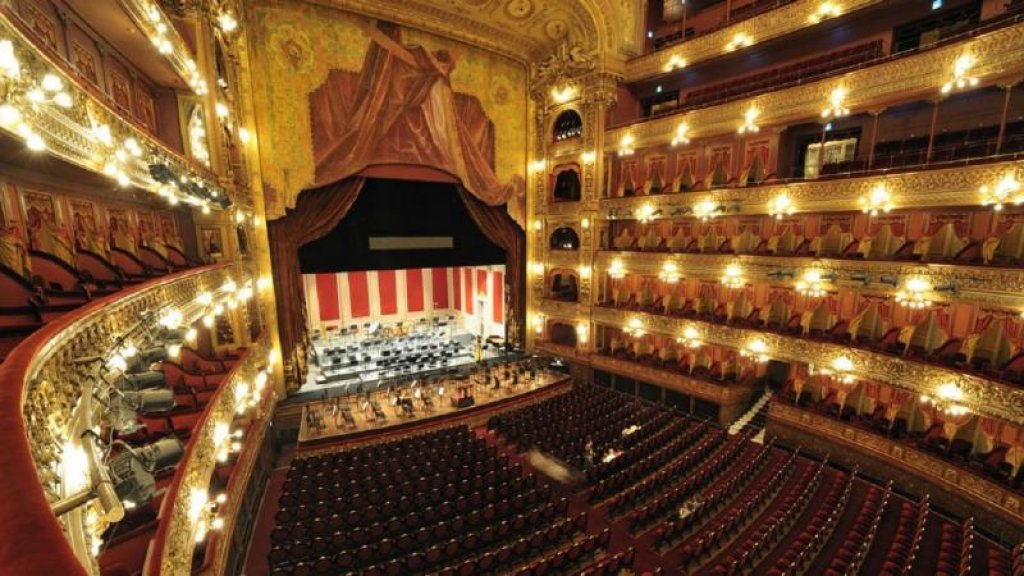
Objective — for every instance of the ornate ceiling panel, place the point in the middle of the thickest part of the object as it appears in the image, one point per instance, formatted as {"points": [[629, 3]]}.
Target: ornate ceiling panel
{"points": [[527, 30]]}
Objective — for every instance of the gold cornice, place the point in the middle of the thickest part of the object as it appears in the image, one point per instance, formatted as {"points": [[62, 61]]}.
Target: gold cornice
{"points": [[68, 132], [923, 189], [981, 395], [996, 53], [990, 286], [767, 26], [987, 494]]}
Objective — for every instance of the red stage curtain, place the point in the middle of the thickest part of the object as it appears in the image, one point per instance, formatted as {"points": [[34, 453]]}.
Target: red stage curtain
{"points": [[497, 296], [316, 213], [501, 229]]}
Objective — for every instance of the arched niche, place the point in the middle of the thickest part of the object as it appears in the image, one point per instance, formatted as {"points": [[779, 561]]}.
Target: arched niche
{"points": [[567, 125], [567, 186], [562, 333], [564, 238], [564, 284]]}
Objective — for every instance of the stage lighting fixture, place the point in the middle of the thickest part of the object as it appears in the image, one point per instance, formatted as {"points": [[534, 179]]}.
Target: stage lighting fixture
{"points": [[141, 381], [143, 359], [124, 407], [132, 469]]}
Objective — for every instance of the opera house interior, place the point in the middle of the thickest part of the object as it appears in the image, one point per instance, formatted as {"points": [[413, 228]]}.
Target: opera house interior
{"points": [[460, 287]]}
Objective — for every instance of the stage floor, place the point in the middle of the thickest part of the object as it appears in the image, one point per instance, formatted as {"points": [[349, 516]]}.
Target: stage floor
{"points": [[334, 425], [371, 380]]}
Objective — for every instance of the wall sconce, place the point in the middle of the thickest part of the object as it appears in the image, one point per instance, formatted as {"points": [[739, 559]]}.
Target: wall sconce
{"points": [[617, 271], [1001, 193], [680, 137], [914, 294], [961, 74], [690, 338], [878, 200], [585, 272], [635, 328], [739, 40], [948, 399], [733, 277], [825, 11], [626, 145], [646, 212], [813, 283], [756, 350], [538, 225], [537, 268], [750, 121], [675, 62], [843, 370], [538, 324], [589, 157], [563, 95], [781, 206], [582, 333], [705, 209], [669, 273], [538, 166], [227, 22], [836, 107], [585, 223], [203, 512]]}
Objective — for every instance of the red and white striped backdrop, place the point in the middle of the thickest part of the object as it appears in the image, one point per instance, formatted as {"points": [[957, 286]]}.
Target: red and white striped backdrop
{"points": [[344, 298]]}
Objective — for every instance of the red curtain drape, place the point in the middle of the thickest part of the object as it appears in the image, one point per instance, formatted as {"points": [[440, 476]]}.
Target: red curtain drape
{"points": [[316, 213], [500, 228]]}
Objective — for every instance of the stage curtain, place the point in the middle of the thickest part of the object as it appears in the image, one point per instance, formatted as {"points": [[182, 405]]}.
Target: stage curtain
{"points": [[502, 230], [316, 213]]}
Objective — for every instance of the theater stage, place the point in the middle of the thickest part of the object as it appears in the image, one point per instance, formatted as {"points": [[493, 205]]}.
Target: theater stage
{"points": [[349, 417]]}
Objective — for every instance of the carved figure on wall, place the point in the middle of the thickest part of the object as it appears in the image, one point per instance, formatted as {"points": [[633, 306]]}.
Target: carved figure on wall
{"points": [[567, 61], [170, 231], [45, 234], [122, 233], [149, 236], [13, 252], [401, 108], [88, 235]]}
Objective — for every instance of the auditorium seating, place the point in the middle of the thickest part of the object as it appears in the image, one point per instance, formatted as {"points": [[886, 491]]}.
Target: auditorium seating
{"points": [[444, 501]]}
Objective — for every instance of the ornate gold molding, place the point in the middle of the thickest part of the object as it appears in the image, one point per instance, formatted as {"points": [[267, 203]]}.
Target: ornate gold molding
{"points": [[956, 479], [69, 133], [197, 469], [985, 285], [771, 24], [996, 53], [981, 395], [723, 394], [927, 188]]}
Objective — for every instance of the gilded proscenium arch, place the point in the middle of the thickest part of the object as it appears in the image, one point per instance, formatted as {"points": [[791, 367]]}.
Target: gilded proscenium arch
{"points": [[919, 76], [980, 395], [486, 24]]}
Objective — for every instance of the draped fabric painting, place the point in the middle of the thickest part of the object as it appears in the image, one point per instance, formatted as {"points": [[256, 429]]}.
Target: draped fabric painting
{"points": [[401, 109]]}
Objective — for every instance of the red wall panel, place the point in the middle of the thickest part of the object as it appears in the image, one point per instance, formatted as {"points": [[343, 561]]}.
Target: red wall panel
{"points": [[498, 296], [327, 296], [387, 288], [457, 284], [359, 294], [481, 282], [439, 278], [414, 290], [467, 276]]}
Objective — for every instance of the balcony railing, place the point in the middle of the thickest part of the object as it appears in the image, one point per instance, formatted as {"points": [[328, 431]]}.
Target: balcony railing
{"points": [[45, 406]]}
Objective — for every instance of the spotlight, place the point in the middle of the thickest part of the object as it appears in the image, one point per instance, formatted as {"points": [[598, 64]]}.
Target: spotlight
{"points": [[150, 401], [141, 381], [132, 469], [146, 358]]}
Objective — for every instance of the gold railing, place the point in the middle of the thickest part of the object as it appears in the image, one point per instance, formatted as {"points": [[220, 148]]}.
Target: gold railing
{"points": [[175, 541], [981, 395], [924, 189], [985, 493], [89, 133], [996, 55], [760, 28], [44, 368], [983, 285]]}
